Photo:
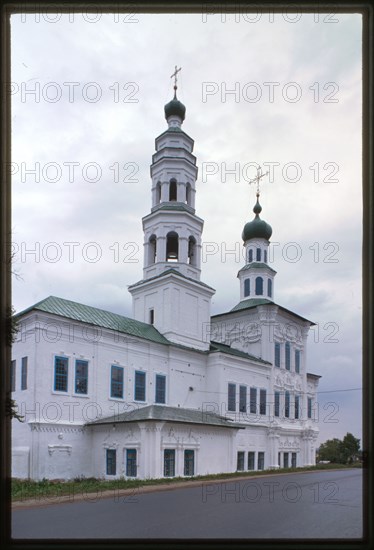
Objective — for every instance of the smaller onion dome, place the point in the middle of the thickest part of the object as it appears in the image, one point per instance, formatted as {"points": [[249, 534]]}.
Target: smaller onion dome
{"points": [[175, 107], [257, 228]]}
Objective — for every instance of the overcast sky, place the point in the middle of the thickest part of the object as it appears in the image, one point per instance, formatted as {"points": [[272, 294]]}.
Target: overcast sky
{"points": [[88, 99]]}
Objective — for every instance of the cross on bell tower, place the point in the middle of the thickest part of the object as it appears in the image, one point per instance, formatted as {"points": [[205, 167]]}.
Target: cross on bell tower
{"points": [[175, 75]]}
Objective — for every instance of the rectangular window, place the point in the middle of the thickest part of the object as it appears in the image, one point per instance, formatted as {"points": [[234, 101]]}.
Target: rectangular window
{"points": [[261, 461], [288, 355], [24, 373], [293, 460], [251, 460], [131, 463], [285, 460], [258, 254], [297, 407], [116, 382], [297, 361], [247, 287], [151, 316], [169, 462], [287, 404], [240, 461], [265, 256], [231, 397], [253, 400], [61, 374], [160, 389], [111, 462], [189, 462], [139, 394], [279, 459], [13, 375], [262, 401], [277, 354], [309, 407], [276, 403], [81, 377], [243, 398]]}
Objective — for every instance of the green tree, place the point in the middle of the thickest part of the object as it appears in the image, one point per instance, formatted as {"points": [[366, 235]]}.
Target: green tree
{"points": [[340, 451], [349, 448], [330, 450]]}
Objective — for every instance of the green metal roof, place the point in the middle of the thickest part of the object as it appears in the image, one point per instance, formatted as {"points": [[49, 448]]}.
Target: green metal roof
{"points": [[223, 348], [254, 302], [174, 272], [169, 414], [180, 206], [257, 265], [251, 302], [97, 317]]}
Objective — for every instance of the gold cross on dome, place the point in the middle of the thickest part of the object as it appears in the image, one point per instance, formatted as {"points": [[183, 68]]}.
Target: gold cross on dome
{"points": [[258, 177], [174, 75]]}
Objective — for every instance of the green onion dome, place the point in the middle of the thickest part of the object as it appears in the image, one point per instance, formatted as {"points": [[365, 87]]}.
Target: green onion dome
{"points": [[257, 228], [175, 107]]}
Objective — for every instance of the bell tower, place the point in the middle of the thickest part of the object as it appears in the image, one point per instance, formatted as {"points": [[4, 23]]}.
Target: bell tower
{"points": [[171, 295]]}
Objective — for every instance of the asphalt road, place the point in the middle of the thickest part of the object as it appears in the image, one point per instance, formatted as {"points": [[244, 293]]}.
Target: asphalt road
{"points": [[325, 504]]}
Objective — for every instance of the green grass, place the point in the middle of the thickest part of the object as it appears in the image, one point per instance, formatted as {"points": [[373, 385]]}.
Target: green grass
{"points": [[82, 487]]}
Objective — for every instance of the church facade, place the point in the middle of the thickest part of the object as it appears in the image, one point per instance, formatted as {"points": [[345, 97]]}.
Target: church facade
{"points": [[172, 391]]}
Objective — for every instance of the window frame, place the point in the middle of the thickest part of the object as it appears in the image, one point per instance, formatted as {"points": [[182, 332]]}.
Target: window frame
{"points": [[310, 408], [131, 463], [259, 286], [242, 398], [76, 378], [119, 369], [231, 399], [240, 461], [261, 460], [277, 403], [110, 463], [158, 377], [24, 364], [250, 462], [65, 359], [287, 404], [297, 407], [169, 463], [277, 355], [140, 374], [188, 461], [297, 361], [247, 287], [287, 356], [263, 401], [253, 400]]}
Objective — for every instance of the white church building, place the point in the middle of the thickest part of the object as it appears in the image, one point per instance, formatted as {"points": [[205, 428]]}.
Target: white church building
{"points": [[172, 391]]}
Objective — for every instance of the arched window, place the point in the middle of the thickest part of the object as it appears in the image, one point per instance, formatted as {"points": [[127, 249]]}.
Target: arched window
{"points": [[172, 247], [173, 190], [158, 192], [250, 255], [152, 249], [270, 284], [259, 286], [266, 256], [258, 254], [247, 287], [188, 194], [192, 258]]}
